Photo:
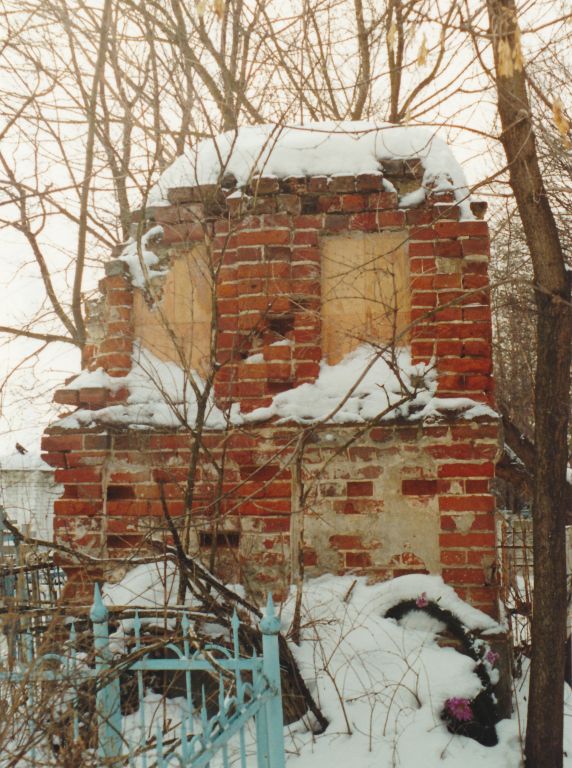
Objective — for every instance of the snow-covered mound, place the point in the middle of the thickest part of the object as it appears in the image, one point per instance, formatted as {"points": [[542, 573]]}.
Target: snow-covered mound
{"points": [[314, 149], [383, 686], [150, 585]]}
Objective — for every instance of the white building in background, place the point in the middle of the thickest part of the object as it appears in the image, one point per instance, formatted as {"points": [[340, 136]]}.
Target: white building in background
{"points": [[28, 492]]}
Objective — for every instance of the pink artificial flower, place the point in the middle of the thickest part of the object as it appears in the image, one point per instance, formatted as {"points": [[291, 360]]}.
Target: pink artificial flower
{"points": [[422, 601], [492, 657], [460, 709]]}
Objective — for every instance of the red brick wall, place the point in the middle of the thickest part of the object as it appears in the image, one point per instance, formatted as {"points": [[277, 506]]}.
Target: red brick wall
{"points": [[439, 481], [397, 498]]}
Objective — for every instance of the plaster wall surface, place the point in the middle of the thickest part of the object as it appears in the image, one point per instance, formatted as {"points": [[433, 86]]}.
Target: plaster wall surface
{"points": [[27, 497]]}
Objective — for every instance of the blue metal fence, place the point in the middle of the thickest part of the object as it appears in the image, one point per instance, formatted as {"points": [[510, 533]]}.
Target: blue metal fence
{"points": [[249, 691]]}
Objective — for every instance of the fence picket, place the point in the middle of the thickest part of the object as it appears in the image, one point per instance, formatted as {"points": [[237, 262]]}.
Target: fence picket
{"points": [[270, 627], [108, 697]]}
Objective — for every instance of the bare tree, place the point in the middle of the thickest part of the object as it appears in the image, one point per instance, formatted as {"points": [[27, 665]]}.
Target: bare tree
{"points": [[552, 404], [112, 95]]}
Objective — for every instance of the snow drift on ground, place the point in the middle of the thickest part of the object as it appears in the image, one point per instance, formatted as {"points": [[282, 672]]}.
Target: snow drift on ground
{"points": [[381, 684], [360, 388], [327, 148]]}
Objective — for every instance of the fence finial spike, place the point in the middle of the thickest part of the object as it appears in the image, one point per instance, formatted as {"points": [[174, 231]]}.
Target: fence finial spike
{"points": [[270, 622], [99, 612]]}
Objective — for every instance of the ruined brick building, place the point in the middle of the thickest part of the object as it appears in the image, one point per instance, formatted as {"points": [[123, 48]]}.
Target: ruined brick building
{"points": [[332, 288]]}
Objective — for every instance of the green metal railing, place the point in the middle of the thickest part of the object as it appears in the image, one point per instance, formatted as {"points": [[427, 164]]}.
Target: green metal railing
{"points": [[248, 691]]}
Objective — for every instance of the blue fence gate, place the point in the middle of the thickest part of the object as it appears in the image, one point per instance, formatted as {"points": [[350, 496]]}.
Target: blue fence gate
{"points": [[248, 693]]}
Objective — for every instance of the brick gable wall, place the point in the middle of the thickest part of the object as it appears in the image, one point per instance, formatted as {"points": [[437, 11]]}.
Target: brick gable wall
{"points": [[381, 500]]}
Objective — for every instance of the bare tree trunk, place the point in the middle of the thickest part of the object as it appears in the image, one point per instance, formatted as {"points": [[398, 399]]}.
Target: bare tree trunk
{"points": [[77, 308], [363, 85], [395, 49], [297, 533], [544, 735]]}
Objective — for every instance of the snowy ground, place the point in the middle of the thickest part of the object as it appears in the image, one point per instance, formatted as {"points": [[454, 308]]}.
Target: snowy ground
{"points": [[382, 685]]}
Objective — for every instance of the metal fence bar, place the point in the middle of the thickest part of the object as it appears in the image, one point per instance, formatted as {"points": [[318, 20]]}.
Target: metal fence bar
{"points": [[71, 665], [270, 627], [108, 697], [235, 624]]}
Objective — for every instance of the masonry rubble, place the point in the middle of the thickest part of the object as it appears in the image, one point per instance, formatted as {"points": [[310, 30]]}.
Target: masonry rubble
{"points": [[284, 278]]}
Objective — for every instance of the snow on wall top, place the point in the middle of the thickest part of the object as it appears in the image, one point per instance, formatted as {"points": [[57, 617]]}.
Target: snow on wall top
{"points": [[141, 260], [315, 149], [354, 391]]}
